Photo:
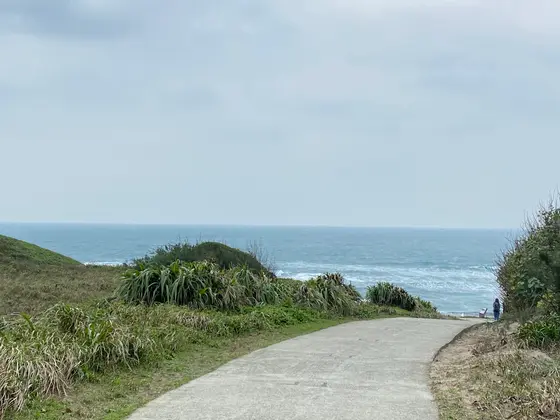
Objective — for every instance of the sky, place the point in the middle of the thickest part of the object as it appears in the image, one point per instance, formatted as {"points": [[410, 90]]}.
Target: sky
{"points": [[279, 112]]}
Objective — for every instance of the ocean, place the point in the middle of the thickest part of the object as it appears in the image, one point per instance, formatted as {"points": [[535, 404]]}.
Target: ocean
{"points": [[450, 267]]}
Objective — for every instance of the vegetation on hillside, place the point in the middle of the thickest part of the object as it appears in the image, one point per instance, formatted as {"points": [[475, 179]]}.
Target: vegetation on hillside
{"points": [[223, 255], [33, 279], [145, 314], [529, 272], [14, 251], [488, 373], [529, 276], [385, 293], [32, 288], [204, 285]]}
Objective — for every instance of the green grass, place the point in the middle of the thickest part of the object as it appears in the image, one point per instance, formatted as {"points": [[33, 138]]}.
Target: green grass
{"points": [[33, 279], [14, 251], [33, 288], [117, 394], [206, 285]]}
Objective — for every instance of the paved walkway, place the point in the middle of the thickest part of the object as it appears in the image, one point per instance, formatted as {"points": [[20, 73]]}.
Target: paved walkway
{"points": [[374, 370]]}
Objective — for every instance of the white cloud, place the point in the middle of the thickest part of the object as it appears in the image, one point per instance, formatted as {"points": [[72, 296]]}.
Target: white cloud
{"points": [[384, 98]]}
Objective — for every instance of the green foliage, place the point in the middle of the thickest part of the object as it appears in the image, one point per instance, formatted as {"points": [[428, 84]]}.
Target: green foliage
{"points": [[204, 285], [327, 292], [35, 288], [540, 333], [425, 305], [529, 276], [42, 356], [388, 294], [14, 251], [200, 285], [529, 271], [33, 279], [222, 255]]}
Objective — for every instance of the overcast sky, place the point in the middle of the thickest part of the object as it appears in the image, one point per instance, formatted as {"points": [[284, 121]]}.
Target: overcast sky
{"points": [[315, 112]]}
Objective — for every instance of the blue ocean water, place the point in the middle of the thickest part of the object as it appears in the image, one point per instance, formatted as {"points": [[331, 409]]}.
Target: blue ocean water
{"points": [[452, 268]]}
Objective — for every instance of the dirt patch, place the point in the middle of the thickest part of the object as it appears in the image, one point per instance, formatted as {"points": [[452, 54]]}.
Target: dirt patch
{"points": [[484, 374]]}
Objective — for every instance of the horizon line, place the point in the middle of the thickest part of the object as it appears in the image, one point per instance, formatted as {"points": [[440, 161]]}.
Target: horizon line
{"points": [[241, 225]]}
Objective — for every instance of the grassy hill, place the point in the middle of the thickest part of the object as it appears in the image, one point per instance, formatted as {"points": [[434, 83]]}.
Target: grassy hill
{"points": [[14, 251], [33, 278]]}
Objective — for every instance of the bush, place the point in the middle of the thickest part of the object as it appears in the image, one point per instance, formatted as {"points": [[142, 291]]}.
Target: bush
{"points": [[204, 285], [328, 292], [222, 255], [528, 273], [388, 294], [425, 305], [199, 285], [540, 333]]}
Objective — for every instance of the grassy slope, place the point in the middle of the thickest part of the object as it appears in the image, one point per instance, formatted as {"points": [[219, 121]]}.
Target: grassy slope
{"points": [[14, 251], [33, 278], [32, 289], [487, 374]]}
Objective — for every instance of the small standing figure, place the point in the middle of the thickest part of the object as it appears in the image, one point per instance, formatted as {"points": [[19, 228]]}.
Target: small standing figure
{"points": [[496, 309]]}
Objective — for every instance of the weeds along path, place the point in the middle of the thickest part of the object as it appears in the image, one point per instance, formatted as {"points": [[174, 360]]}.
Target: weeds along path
{"points": [[361, 370]]}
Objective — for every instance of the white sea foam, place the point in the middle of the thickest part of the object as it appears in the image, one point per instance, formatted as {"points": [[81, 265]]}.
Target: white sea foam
{"points": [[104, 263], [453, 289]]}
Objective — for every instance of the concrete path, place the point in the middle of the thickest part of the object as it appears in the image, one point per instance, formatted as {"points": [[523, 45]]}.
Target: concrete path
{"points": [[374, 370]]}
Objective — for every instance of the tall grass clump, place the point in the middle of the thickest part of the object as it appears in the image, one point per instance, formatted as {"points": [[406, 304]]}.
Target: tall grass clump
{"points": [[328, 292], [385, 293], [199, 285], [42, 356], [204, 285], [541, 333]]}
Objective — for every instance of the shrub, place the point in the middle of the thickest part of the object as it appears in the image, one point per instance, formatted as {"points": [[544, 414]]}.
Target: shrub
{"points": [[328, 292], [388, 294], [528, 273], [540, 333], [222, 255], [198, 285], [204, 285], [425, 305]]}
